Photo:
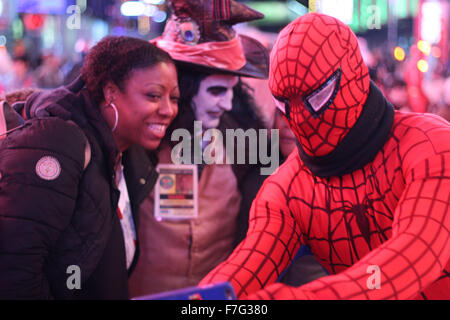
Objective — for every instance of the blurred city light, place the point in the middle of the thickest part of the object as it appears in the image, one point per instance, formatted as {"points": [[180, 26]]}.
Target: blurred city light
{"points": [[296, 7], [342, 10], [422, 65], [424, 47], [143, 8], [99, 30], [2, 41], [82, 4], [150, 10], [33, 22], [43, 7], [132, 8], [399, 53], [80, 45], [17, 29], [274, 11], [143, 25], [431, 22], [48, 33], [436, 52], [160, 16], [155, 2]]}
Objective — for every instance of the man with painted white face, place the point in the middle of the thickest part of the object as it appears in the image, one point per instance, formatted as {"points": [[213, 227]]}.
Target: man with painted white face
{"points": [[210, 57], [213, 98]]}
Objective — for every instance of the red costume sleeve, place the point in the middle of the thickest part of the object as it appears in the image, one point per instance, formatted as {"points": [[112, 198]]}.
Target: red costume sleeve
{"points": [[272, 240], [412, 261]]}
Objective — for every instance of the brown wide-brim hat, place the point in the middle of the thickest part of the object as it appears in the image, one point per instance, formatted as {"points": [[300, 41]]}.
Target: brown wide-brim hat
{"points": [[199, 36]]}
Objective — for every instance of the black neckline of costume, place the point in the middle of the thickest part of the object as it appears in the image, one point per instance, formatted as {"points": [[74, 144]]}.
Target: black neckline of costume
{"points": [[361, 144]]}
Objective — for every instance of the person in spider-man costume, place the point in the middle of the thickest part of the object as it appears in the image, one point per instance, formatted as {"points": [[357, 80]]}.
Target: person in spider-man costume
{"points": [[368, 189]]}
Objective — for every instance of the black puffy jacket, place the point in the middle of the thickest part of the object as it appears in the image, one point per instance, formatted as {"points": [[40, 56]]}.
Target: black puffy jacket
{"points": [[52, 220]]}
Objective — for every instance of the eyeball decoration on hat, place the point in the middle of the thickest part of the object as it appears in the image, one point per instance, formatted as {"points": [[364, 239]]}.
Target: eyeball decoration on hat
{"points": [[199, 35], [189, 33]]}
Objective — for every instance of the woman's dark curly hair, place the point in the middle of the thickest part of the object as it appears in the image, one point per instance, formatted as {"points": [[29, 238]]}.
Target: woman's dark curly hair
{"points": [[113, 59]]}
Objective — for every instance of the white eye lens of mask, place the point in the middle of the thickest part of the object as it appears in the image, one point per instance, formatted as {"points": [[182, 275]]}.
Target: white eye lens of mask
{"points": [[280, 105], [322, 98], [318, 99]]}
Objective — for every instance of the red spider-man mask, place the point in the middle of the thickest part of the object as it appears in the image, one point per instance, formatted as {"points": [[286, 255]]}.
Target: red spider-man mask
{"points": [[319, 80]]}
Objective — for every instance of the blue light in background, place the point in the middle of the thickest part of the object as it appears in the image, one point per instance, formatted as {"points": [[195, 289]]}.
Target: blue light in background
{"points": [[160, 16], [44, 6], [296, 7], [2, 40], [132, 8], [155, 2], [99, 30]]}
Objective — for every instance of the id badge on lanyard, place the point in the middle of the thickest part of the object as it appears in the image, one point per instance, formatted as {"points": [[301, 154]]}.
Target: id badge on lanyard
{"points": [[176, 192]]}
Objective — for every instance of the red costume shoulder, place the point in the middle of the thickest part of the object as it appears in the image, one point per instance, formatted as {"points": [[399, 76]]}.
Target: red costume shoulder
{"points": [[421, 135]]}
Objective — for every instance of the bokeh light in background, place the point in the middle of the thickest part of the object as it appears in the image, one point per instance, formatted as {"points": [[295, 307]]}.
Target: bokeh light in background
{"points": [[99, 30], [146, 12], [431, 22], [17, 29], [436, 52], [155, 2], [132, 8], [150, 10], [81, 45], [143, 25], [48, 33], [296, 7], [33, 21], [160, 16], [342, 10], [422, 65], [424, 47], [399, 53], [82, 4]]}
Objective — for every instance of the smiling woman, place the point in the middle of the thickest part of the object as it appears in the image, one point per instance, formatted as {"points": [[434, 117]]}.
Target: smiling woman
{"points": [[147, 103], [138, 99], [210, 58], [73, 177]]}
